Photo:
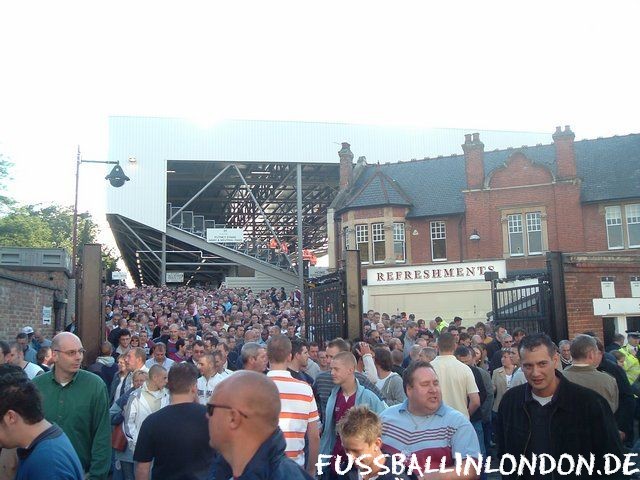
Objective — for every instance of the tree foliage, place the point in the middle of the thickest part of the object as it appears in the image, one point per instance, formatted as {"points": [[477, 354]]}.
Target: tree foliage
{"points": [[20, 229], [5, 201], [37, 226]]}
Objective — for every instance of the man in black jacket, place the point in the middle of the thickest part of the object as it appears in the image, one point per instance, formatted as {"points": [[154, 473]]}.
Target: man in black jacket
{"points": [[550, 415], [626, 399]]}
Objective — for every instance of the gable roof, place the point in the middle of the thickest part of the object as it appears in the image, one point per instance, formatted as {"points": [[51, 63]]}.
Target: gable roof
{"points": [[379, 189], [434, 186]]}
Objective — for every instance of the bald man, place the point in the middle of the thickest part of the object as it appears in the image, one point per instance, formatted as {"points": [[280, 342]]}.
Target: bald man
{"points": [[78, 402], [243, 413]]}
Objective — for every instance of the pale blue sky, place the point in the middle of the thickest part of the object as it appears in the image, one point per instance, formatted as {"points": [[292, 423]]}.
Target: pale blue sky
{"points": [[67, 66]]}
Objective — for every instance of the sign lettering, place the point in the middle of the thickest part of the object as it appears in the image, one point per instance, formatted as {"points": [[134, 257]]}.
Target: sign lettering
{"points": [[452, 272]]}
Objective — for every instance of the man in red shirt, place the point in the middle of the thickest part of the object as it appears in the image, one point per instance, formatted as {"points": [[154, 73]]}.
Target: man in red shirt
{"points": [[347, 393]]}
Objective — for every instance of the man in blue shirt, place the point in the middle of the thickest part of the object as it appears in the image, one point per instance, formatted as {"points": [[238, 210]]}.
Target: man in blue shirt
{"points": [[44, 451]]}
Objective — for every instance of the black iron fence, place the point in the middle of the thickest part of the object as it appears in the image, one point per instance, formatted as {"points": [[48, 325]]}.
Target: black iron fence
{"points": [[325, 307], [527, 307]]}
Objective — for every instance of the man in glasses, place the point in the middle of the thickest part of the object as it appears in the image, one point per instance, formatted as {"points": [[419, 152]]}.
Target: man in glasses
{"points": [[78, 402], [244, 413]]}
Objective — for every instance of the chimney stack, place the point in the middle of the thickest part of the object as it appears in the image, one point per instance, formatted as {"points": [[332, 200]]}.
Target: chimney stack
{"points": [[474, 160], [346, 165], [565, 153]]}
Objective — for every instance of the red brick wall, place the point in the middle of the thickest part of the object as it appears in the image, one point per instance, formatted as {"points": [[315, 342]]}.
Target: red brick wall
{"points": [[399, 211], [595, 228], [582, 284], [421, 243], [568, 222], [561, 201], [367, 213], [565, 155], [21, 304], [474, 165], [519, 171]]}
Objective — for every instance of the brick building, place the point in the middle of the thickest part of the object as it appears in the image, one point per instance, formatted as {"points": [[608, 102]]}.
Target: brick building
{"points": [[427, 230], [34, 290]]}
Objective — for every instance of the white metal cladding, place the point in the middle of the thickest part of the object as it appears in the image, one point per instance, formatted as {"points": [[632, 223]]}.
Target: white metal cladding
{"points": [[154, 141]]}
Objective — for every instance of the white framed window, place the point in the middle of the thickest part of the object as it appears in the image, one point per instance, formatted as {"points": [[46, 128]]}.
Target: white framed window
{"points": [[633, 224], [377, 235], [516, 237], [399, 247], [438, 241], [534, 233], [524, 232], [362, 242], [345, 238], [613, 216]]}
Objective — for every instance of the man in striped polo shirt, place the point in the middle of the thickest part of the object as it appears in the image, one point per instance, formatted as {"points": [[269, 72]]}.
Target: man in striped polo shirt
{"points": [[298, 412], [425, 427]]}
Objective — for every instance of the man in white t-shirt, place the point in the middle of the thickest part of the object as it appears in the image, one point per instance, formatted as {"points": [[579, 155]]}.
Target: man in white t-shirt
{"points": [[208, 366], [459, 389], [17, 359]]}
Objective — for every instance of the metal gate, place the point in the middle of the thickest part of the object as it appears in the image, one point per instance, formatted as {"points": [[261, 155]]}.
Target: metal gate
{"points": [[528, 307], [325, 308]]}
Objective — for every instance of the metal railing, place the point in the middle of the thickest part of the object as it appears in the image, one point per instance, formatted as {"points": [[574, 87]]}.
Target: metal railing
{"points": [[188, 221], [527, 307]]}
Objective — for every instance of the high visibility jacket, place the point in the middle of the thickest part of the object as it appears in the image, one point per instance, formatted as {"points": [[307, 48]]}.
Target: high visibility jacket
{"points": [[441, 326], [631, 363]]}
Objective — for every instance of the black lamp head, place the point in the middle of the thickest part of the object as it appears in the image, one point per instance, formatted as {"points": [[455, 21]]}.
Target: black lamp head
{"points": [[116, 177]]}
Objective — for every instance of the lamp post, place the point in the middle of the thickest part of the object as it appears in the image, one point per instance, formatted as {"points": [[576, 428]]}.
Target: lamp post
{"points": [[116, 177]]}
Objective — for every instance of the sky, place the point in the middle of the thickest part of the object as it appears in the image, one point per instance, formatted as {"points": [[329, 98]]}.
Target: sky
{"points": [[67, 66]]}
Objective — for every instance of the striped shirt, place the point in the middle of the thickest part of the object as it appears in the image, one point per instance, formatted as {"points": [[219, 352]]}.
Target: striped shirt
{"points": [[298, 409], [437, 436]]}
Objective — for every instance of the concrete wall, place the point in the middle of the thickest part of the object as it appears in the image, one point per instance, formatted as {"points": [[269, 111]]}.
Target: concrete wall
{"points": [[469, 300]]}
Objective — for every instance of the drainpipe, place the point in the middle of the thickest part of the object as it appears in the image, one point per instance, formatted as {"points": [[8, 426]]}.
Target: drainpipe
{"points": [[460, 238]]}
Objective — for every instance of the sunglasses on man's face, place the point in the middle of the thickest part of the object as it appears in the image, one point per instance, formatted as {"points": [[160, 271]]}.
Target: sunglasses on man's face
{"points": [[212, 406]]}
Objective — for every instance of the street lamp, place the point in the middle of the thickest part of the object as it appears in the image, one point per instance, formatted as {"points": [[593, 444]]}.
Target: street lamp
{"points": [[117, 179]]}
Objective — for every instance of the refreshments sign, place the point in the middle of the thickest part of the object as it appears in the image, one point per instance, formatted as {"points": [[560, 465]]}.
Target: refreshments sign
{"points": [[435, 273]]}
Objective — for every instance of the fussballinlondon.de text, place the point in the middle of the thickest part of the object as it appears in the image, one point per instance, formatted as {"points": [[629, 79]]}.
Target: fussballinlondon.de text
{"points": [[542, 464]]}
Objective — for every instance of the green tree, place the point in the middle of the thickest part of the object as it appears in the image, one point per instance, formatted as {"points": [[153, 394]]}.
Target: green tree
{"points": [[51, 226], [60, 220], [5, 201], [19, 229]]}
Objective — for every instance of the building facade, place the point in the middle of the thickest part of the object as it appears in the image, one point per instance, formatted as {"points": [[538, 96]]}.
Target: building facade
{"points": [[426, 228]]}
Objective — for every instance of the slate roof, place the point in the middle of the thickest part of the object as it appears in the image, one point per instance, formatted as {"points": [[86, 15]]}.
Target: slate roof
{"points": [[379, 189], [609, 169]]}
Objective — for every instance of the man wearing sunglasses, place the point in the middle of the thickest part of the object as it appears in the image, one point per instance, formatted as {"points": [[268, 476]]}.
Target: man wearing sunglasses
{"points": [[244, 413], [78, 402]]}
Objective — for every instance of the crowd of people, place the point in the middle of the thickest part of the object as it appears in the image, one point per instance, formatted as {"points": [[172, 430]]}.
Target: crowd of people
{"points": [[214, 384]]}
